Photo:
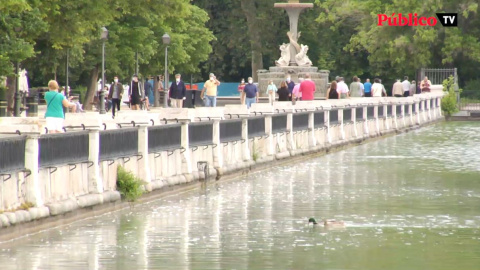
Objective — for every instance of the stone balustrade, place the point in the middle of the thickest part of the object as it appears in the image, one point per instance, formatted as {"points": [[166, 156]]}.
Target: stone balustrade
{"points": [[64, 172]]}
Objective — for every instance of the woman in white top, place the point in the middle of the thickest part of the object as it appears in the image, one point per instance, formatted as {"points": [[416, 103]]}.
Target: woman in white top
{"points": [[377, 88], [271, 92]]}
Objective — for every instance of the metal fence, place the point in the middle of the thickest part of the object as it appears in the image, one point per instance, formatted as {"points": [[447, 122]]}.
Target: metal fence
{"points": [[200, 133], [118, 143], [163, 138], [12, 154], [371, 112], [470, 100], [359, 114], [63, 148], [231, 130], [256, 127], [279, 123], [347, 115], [300, 121], [319, 120], [437, 75], [333, 117]]}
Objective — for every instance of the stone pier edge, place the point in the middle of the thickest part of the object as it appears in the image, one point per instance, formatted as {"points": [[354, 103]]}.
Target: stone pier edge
{"points": [[63, 213]]}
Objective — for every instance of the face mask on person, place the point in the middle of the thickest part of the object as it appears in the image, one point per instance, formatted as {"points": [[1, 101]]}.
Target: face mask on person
{"points": [[250, 81], [178, 79], [116, 80], [271, 83], [211, 78], [288, 79], [243, 81], [135, 79]]}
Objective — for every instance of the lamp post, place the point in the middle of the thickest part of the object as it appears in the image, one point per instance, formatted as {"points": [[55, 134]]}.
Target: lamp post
{"points": [[166, 41], [18, 97], [104, 37]]}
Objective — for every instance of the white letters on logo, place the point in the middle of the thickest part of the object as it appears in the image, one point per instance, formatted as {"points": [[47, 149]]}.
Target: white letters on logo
{"points": [[451, 18]]}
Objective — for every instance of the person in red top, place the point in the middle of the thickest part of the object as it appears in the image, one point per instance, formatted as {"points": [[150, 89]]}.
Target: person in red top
{"points": [[307, 88]]}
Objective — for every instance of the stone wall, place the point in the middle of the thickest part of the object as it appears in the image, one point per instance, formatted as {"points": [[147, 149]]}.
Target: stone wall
{"points": [[306, 128]]}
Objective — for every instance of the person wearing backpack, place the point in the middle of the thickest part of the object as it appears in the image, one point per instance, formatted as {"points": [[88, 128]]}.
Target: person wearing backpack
{"points": [[55, 103]]}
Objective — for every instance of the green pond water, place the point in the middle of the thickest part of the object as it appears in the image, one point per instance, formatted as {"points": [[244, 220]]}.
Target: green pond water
{"points": [[410, 201]]}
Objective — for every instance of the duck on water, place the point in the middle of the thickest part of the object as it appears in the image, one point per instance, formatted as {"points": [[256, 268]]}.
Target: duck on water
{"points": [[328, 223]]}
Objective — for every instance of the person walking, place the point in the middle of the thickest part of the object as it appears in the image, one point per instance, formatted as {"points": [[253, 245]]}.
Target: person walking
{"points": [[397, 89], [115, 95], [425, 85], [283, 93], [406, 86], [367, 88], [332, 92], [342, 88], [413, 88], [177, 92], [271, 92], [307, 88], [290, 84], [135, 93], [148, 91], [54, 115], [296, 95], [241, 86], [377, 88], [251, 93], [211, 88], [356, 88]]}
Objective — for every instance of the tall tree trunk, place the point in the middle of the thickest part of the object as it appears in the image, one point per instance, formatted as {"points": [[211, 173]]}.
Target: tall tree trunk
{"points": [[92, 88], [10, 95], [249, 8]]}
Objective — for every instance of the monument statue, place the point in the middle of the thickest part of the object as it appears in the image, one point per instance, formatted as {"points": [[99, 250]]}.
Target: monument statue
{"points": [[293, 61], [293, 54]]}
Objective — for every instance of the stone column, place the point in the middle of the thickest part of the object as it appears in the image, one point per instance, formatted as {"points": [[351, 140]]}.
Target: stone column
{"points": [[269, 141], [384, 117], [354, 120], [33, 188], [217, 151], [95, 181], [429, 115], [340, 121], [291, 144], [312, 142], [365, 122], [417, 109], [143, 164], [377, 118], [394, 116], [245, 144], [327, 123], [186, 159], [410, 113]]}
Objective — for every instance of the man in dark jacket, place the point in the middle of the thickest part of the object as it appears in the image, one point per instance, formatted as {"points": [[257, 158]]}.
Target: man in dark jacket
{"points": [[115, 94], [177, 92]]}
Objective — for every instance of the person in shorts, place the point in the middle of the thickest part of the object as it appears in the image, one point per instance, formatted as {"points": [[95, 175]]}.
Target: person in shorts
{"points": [[55, 103]]}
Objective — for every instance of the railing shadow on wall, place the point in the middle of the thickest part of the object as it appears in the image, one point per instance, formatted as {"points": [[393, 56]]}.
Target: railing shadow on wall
{"points": [[231, 131], [164, 138], [279, 123], [12, 155], [200, 134], [256, 127], [300, 122], [118, 143]]}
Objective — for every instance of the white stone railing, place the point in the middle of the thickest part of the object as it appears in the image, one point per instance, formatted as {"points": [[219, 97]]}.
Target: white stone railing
{"points": [[276, 132]]}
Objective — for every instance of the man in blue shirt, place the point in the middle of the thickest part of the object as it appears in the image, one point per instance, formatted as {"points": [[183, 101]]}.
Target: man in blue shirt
{"points": [[290, 84], [368, 88], [251, 93]]}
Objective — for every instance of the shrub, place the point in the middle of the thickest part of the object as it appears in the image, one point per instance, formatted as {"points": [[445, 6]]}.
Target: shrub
{"points": [[128, 185], [449, 101]]}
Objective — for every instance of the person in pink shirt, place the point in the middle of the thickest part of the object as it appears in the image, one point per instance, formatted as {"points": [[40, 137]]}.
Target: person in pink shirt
{"points": [[307, 88], [296, 95]]}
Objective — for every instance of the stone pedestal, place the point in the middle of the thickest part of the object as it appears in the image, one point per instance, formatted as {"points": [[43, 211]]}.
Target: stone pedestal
{"points": [[279, 74]]}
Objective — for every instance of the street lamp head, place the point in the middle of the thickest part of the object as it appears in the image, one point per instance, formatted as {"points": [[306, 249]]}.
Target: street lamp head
{"points": [[104, 34], [166, 39]]}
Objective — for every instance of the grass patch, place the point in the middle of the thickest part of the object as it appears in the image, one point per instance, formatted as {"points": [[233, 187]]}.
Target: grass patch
{"points": [[128, 185]]}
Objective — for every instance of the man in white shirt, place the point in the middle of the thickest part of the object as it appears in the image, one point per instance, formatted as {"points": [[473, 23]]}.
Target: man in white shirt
{"points": [[406, 87], [342, 88], [377, 88]]}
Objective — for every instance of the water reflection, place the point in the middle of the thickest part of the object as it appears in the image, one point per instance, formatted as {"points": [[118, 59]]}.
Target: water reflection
{"points": [[409, 202]]}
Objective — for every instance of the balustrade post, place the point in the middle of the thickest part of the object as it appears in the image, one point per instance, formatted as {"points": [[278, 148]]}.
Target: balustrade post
{"points": [[245, 143], [291, 145], [217, 151], [269, 132], [186, 159], [144, 164], [312, 142], [95, 181], [33, 188]]}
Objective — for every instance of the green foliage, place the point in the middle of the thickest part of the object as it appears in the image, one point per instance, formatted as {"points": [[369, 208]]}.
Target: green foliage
{"points": [[128, 185], [449, 101]]}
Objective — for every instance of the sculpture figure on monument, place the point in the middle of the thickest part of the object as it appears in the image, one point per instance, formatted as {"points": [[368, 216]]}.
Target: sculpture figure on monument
{"points": [[284, 55], [301, 57]]}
